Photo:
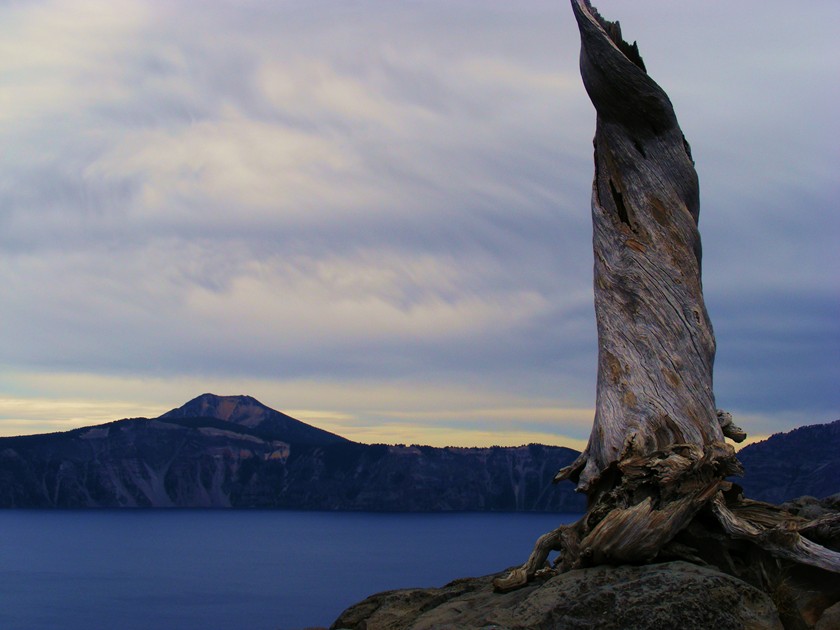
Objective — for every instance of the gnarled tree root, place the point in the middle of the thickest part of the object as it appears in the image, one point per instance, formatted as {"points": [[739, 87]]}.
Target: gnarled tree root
{"points": [[565, 539], [652, 500], [778, 533]]}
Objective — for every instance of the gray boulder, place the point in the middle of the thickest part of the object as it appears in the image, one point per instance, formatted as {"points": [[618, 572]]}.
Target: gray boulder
{"points": [[659, 596]]}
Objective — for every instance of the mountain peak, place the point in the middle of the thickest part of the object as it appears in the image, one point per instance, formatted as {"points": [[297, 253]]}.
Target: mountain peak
{"points": [[250, 412], [240, 409]]}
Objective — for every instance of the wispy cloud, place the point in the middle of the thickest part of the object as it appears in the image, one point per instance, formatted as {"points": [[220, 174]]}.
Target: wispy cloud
{"points": [[269, 195]]}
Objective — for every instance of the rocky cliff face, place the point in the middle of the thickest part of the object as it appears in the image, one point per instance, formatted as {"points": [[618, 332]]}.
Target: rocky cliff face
{"points": [[235, 452]]}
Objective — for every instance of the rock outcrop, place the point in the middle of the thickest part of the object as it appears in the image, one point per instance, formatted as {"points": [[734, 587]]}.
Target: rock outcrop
{"points": [[675, 594], [668, 595]]}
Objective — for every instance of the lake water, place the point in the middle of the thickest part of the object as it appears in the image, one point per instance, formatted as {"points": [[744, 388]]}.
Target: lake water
{"points": [[228, 570]]}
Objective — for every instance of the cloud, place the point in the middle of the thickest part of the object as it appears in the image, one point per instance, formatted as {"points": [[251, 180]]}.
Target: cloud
{"points": [[59, 57], [309, 217], [391, 193], [22, 416]]}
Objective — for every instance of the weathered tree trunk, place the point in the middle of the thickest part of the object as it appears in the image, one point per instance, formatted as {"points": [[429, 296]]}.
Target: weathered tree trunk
{"points": [[656, 461], [655, 341]]}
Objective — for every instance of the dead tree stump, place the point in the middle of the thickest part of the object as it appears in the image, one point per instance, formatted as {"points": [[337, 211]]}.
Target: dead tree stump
{"points": [[656, 464]]}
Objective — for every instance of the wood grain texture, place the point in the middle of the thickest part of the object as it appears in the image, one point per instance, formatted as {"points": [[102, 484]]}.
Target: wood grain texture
{"points": [[656, 346]]}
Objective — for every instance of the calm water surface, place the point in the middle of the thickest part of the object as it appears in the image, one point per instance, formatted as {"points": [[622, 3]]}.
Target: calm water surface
{"points": [[229, 570]]}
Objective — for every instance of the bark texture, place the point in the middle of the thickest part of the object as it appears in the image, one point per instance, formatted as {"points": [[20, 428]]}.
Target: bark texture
{"points": [[656, 347], [655, 467]]}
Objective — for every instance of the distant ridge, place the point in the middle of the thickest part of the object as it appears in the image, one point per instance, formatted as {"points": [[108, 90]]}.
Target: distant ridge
{"points": [[804, 461], [234, 451]]}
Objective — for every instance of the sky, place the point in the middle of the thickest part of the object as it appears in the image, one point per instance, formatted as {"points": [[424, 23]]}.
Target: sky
{"points": [[374, 215]]}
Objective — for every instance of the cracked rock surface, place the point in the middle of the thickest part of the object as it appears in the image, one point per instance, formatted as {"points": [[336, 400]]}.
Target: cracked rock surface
{"points": [[667, 595]]}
